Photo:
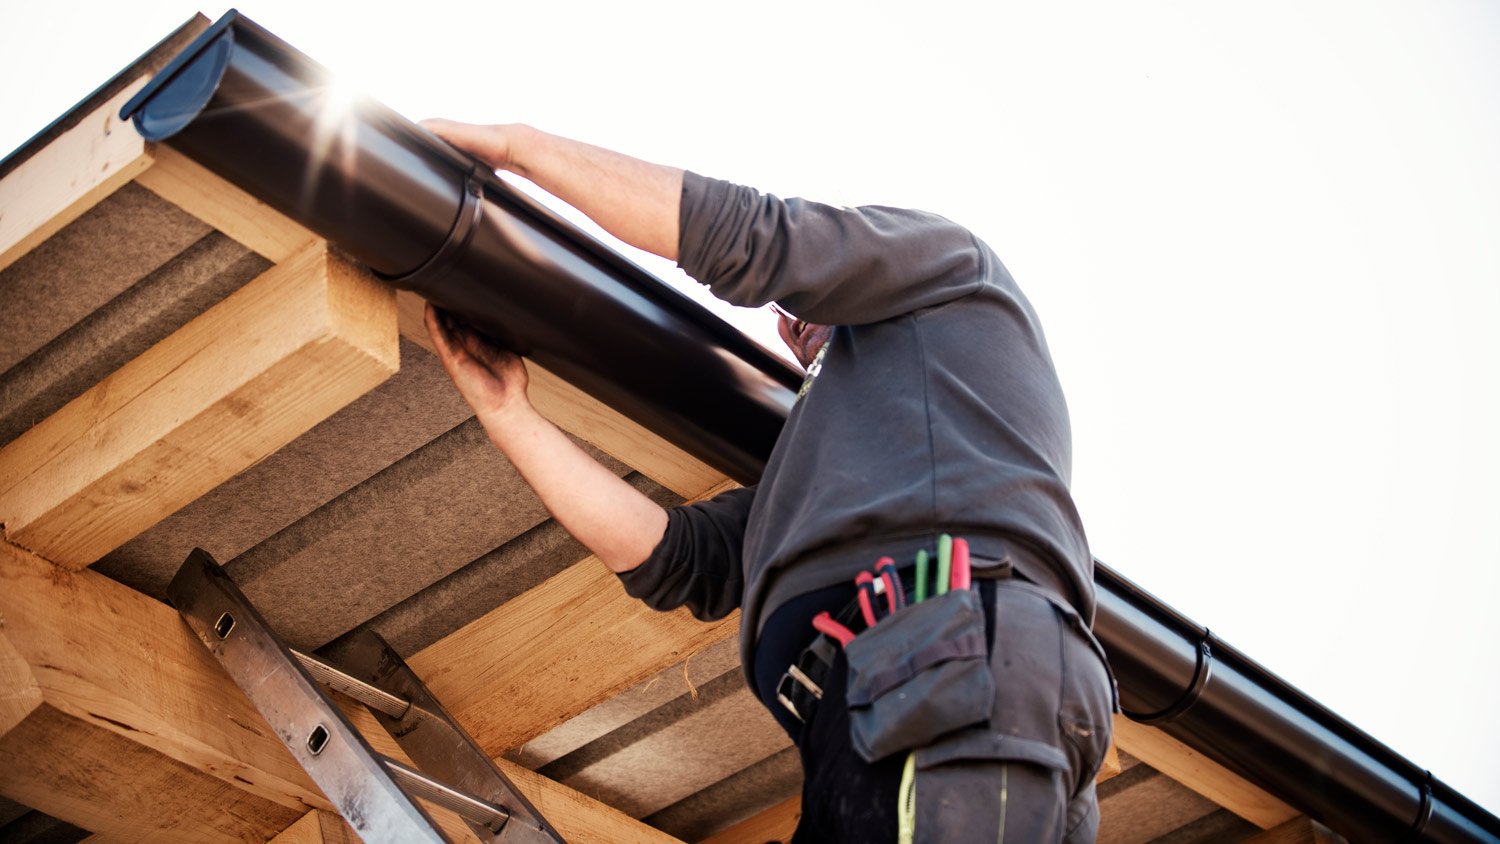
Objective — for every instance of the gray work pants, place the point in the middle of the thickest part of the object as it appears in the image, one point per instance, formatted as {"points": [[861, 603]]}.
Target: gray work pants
{"points": [[1026, 777]]}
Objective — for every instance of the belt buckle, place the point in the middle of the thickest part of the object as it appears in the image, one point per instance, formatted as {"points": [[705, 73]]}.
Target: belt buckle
{"points": [[784, 690]]}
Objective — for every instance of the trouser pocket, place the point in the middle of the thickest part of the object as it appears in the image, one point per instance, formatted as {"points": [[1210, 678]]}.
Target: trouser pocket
{"points": [[919, 674], [1026, 774], [982, 786]]}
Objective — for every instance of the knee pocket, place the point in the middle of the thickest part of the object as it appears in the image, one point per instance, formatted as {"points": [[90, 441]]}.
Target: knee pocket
{"points": [[972, 784], [1053, 685]]}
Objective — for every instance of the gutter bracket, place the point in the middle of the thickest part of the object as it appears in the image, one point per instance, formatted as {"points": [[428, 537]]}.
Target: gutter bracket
{"points": [[1202, 670], [1424, 813]]}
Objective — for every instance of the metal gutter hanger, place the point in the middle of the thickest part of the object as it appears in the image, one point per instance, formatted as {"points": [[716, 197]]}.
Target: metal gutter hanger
{"points": [[247, 106]]}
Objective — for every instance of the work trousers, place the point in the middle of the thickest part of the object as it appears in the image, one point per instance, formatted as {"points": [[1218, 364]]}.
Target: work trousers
{"points": [[1026, 777]]}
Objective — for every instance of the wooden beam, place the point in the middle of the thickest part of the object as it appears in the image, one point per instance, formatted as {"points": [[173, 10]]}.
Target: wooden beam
{"points": [[207, 196], [772, 826], [1201, 774], [69, 176], [76, 771], [1111, 767], [555, 651], [95, 779], [587, 418], [243, 379], [19, 693], [1299, 830], [122, 677], [317, 827]]}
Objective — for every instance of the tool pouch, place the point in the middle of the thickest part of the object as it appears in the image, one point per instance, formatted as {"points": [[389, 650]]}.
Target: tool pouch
{"points": [[919, 674]]}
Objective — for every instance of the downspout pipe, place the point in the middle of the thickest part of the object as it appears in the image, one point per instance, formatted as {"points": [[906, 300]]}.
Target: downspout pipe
{"points": [[257, 112]]}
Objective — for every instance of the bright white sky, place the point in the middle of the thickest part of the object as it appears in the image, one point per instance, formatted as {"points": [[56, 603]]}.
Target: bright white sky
{"points": [[1264, 239]]}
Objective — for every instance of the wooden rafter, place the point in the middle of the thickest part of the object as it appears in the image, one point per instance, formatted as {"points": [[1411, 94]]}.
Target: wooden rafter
{"points": [[69, 176], [1201, 774], [317, 827], [243, 379], [120, 676], [555, 651]]}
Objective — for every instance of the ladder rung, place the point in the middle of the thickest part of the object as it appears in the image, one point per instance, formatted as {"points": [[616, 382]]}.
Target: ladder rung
{"points": [[333, 678], [467, 806]]}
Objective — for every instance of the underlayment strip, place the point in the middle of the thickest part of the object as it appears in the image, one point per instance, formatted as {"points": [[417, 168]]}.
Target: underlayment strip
{"points": [[129, 324], [744, 794], [484, 584], [408, 526], [89, 262], [35, 827], [667, 685], [662, 763], [383, 426], [1221, 827], [1143, 804]]}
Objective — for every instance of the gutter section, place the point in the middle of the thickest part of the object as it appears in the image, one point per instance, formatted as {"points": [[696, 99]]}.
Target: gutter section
{"points": [[249, 107]]}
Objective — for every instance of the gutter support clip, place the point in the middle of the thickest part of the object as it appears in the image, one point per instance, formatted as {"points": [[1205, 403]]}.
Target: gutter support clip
{"points": [[1202, 671]]}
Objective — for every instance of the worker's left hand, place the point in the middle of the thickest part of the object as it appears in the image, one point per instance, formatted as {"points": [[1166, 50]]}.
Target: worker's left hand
{"points": [[491, 379]]}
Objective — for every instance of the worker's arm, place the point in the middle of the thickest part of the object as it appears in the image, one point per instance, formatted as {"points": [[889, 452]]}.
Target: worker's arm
{"points": [[825, 264], [634, 200], [616, 522]]}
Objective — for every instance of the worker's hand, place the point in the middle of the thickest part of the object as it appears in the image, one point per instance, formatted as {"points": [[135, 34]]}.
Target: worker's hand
{"points": [[491, 379], [490, 144]]}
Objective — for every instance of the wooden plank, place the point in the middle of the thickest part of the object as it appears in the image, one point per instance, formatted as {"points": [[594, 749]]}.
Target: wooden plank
{"points": [[1144, 805], [1201, 774], [317, 827], [243, 379], [110, 657], [1111, 767], [127, 679], [773, 826], [207, 196], [69, 176], [1299, 830], [95, 779], [19, 693], [587, 418], [555, 651]]}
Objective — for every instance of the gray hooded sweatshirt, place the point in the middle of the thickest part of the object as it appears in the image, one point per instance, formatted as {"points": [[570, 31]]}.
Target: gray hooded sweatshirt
{"points": [[934, 408]]}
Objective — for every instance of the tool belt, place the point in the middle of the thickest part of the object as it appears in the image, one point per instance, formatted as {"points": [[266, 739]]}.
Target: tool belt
{"points": [[927, 637]]}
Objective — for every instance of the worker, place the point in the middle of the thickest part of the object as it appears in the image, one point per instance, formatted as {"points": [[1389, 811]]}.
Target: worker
{"points": [[930, 409]]}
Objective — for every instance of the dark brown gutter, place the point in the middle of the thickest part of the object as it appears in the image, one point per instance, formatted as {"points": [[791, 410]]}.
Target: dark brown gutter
{"points": [[257, 112]]}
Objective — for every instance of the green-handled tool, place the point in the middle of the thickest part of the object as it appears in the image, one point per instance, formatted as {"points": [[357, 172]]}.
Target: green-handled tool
{"points": [[922, 575], [944, 563]]}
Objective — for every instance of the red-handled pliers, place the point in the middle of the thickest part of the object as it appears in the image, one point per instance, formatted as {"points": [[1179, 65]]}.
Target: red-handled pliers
{"points": [[824, 623], [896, 594], [868, 587]]}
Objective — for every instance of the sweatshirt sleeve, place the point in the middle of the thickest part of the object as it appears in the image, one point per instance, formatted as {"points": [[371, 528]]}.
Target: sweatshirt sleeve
{"points": [[836, 266], [697, 562]]}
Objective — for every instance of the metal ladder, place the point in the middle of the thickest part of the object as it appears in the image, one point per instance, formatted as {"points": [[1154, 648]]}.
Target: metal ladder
{"points": [[373, 792]]}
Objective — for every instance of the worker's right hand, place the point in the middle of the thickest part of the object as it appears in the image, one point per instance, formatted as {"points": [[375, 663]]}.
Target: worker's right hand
{"points": [[491, 379], [488, 143]]}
